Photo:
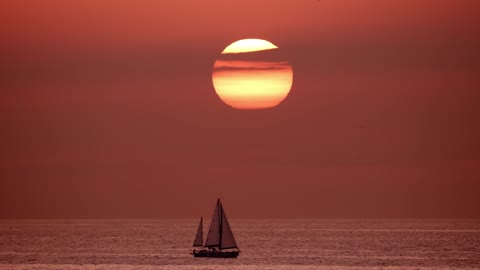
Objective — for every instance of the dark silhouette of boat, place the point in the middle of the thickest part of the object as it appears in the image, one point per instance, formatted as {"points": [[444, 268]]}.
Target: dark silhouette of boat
{"points": [[220, 242]]}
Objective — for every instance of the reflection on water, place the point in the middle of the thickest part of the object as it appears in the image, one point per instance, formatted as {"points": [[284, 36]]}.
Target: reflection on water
{"points": [[265, 244]]}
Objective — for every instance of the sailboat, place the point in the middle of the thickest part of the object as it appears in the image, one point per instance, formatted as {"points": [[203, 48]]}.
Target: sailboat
{"points": [[220, 242]]}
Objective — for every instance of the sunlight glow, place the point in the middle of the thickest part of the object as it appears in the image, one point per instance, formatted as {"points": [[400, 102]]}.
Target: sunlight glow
{"points": [[246, 89], [249, 45]]}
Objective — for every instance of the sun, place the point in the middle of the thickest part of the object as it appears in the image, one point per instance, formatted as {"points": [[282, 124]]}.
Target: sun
{"points": [[251, 74], [249, 45]]}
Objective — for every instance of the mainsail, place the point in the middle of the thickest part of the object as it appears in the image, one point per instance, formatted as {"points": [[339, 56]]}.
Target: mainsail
{"points": [[226, 239], [220, 234], [199, 238]]}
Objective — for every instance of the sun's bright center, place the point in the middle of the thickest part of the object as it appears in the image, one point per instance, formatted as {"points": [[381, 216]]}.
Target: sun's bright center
{"points": [[249, 45]]}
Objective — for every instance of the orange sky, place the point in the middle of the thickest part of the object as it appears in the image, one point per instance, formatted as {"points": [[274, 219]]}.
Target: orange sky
{"points": [[108, 110]]}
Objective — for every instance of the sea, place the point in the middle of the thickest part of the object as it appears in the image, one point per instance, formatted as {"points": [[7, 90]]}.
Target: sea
{"points": [[264, 243]]}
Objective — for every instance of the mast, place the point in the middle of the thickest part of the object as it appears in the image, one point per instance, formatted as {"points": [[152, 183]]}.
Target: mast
{"points": [[220, 210]]}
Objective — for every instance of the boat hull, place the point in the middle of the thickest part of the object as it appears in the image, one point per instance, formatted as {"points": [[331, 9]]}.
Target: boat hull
{"points": [[216, 254]]}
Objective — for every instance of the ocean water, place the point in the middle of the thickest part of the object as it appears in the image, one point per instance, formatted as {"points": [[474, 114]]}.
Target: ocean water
{"points": [[265, 244]]}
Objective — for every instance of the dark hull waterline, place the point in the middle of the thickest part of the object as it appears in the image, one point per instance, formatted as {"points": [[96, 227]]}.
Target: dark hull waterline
{"points": [[216, 254]]}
